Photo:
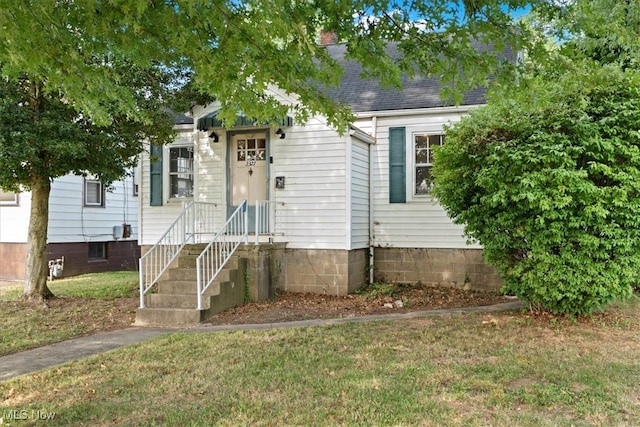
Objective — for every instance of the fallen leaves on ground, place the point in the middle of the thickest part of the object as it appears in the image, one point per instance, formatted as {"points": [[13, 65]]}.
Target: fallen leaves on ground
{"points": [[289, 306]]}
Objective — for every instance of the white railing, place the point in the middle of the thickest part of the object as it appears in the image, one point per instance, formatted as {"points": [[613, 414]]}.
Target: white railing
{"points": [[205, 222], [196, 219], [214, 257], [265, 219]]}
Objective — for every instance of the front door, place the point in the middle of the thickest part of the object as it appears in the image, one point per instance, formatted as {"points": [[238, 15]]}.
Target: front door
{"points": [[248, 154]]}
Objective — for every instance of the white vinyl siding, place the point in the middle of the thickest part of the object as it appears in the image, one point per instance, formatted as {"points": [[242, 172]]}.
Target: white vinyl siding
{"points": [[211, 174], [71, 221], [325, 200], [312, 208], [209, 185], [420, 222], [14, 220], [359, 194]]}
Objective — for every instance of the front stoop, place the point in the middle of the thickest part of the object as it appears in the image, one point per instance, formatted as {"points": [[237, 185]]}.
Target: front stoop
{"points": [[176, 302]]}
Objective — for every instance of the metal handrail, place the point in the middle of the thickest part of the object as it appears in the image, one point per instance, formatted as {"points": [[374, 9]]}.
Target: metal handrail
{"points": [[157, 259], [214, 257], [265, 218]]}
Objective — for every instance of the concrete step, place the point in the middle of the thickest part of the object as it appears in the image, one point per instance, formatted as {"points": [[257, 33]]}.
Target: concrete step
{"points": [[188, 274], [175, 301], [182, 274], [187, 261], [194, 249], [168, 316], [177, 287], [185, 287], [190, 261]]}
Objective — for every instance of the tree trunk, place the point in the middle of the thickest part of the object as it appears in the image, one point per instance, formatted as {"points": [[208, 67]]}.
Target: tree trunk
{"points": [[35, 284]]}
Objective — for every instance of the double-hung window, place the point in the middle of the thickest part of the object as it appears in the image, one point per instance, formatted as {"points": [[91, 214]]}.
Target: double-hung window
{"points": [[423, 144], [171, 170], [180, 172], [93, 193]]}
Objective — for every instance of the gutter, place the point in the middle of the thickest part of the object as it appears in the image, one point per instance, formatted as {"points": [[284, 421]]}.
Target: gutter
{"points": [[416, 111], [361, 135]]}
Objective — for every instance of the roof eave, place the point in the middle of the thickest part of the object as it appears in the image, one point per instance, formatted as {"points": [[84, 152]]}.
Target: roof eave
{"points": [[417, 111]]}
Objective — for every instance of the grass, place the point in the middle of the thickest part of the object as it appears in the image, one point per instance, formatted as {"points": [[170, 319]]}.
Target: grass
{"points": [[84, 304], [503, 369], [112, 285]]}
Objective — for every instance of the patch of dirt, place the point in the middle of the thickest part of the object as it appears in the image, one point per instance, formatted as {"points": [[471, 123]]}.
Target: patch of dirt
{"points": [[41, 323], [378, 299], [86, 315], [89, 315], [96, 314]]}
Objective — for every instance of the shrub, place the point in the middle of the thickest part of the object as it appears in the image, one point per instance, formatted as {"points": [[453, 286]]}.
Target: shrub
{"points": [[548, 181]]}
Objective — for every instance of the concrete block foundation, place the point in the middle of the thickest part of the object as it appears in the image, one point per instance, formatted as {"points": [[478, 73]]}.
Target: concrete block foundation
{"points": [[464, 268], [332, 272]]}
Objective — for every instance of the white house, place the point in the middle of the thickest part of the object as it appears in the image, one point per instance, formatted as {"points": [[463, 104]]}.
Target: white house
{"points": [[94, 228], [344, 208]]}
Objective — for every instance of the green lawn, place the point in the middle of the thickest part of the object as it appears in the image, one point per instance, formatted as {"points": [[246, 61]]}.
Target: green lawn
{"points": [[111, 285], [503, 369]]}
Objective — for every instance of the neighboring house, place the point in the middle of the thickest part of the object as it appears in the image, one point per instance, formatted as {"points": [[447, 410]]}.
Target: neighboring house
{"points": [[94, 228], [343, 206]]}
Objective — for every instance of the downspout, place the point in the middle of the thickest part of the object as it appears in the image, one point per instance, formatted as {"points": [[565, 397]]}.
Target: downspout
{"points": [[374, 133]]}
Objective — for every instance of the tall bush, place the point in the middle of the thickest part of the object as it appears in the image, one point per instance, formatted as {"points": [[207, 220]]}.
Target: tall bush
{"points": [[548, 181]]}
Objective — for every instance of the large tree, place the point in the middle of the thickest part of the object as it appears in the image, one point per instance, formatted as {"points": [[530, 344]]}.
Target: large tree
{"points": [[236, 49], [42, 137], [83, 80]]}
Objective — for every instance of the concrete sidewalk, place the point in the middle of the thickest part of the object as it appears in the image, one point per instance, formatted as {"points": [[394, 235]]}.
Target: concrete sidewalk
{"points": [[30, 361]]}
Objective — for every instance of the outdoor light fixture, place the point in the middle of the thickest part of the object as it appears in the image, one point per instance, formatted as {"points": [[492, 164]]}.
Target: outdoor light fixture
{"points": [[213, 135], [281, 133]]}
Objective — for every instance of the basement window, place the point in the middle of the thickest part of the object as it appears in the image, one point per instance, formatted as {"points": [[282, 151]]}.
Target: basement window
{"points": [[97, 251]]}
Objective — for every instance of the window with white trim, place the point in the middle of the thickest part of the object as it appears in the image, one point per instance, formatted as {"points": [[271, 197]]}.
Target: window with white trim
{"points": [[180, 172], [423, 144], [93, 193], [8, 199]]}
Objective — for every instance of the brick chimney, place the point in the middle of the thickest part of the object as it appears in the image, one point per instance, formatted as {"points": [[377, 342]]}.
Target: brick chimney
{"points": [[328, 37]]}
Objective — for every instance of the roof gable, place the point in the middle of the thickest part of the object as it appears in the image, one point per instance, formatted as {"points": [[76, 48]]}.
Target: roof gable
{"points": [[368, 95]]}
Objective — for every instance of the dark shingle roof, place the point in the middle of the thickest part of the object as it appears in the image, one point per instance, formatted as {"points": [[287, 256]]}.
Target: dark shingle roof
{"points": [[367, 94], [181, 119]]}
